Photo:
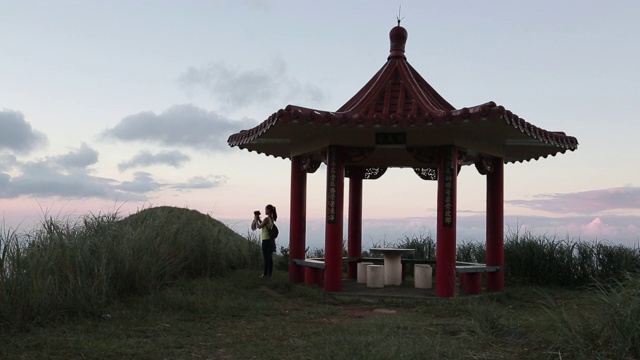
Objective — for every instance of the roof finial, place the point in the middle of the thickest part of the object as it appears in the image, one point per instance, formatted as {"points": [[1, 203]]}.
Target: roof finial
{"points": [[398, 36], [398, 16]]}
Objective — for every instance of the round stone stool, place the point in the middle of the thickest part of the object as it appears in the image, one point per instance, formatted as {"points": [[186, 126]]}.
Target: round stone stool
{"points": [[362, 272], [375, 276], [422, 275]]}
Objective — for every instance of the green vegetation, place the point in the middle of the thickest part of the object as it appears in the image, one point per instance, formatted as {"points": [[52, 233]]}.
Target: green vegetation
{"points": [[543, 260], [170, 283], [64, 270]]}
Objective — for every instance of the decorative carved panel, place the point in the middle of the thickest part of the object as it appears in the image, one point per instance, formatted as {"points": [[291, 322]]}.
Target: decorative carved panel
{"points": [[355, 155], [427, 155], [309, 165], [427, 173], [462, 156], [374, 173], [484, 165]]}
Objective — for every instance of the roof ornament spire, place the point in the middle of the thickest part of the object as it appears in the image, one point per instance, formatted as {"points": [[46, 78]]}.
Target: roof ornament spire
{"points": [[398, 16], [398, 37]]}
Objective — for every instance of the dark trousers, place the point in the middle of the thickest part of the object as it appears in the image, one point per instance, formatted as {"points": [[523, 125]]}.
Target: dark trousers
{"points": [[267, 254]]}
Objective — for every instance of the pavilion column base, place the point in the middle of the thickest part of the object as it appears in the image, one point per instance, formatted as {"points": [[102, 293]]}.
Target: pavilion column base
{"points": [[313, 276], [471, 283]]}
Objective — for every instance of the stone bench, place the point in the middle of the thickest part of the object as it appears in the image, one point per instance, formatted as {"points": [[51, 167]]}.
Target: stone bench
{"points": [[313, 270], [471, 276]]}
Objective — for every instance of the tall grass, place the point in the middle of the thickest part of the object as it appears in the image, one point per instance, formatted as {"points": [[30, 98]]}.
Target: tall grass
{"points": [[64, 269], [605, 327], [424, 245], [75, 269], [543, 260]]}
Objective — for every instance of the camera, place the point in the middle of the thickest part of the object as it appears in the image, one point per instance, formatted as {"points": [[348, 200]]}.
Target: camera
{"points": [[257, 213]]}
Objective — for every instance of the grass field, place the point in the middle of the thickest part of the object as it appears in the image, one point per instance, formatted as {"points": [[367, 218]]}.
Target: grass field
{"points": [[146, 288], [240, 316]]}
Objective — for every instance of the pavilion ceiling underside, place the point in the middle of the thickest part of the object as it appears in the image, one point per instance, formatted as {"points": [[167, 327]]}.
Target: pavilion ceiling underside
{"points": [[484, 130]]}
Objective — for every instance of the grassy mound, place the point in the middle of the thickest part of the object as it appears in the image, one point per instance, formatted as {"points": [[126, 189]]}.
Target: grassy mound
{"points": [[65, 269]]}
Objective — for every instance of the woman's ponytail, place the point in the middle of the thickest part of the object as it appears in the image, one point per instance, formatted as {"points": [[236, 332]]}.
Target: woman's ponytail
{"points": [[274, 213]]}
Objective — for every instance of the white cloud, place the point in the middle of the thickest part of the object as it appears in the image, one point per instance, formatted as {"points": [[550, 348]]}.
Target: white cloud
{"points": [[71, 174], [146, 158], [142, 183], [7, 161], [66, 175], [201, 182], [179, 126], [80, 159], [4, 180], [17, 135], [45, 182], [237, 89]]}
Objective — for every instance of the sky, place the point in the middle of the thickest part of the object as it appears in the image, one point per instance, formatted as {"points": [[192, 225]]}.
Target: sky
{"points": [[117, 106]]}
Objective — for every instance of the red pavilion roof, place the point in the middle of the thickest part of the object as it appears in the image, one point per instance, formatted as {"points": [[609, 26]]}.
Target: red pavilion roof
{"points": [[397, 100]]}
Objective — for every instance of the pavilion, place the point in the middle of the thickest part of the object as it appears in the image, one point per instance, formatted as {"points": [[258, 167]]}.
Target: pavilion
{"points": [[398, 120]]}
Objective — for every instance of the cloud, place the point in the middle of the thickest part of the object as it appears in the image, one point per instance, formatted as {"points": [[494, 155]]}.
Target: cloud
{"points": [[593, 201], [66, 175], [598, 228], [238, 89], [80, 159], [146, 158], [142, 183], [201, 182], [73, 162], [69, 175], [17, 135], [42, 181], [4, 180], [180, 126], [7, 161], [618, 229]]}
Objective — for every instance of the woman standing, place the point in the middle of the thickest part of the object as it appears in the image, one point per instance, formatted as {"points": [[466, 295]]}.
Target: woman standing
{"points": [[268, 244]]}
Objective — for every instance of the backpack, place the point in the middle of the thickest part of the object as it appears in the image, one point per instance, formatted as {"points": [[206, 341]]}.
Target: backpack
{"points": [[273, 231]]}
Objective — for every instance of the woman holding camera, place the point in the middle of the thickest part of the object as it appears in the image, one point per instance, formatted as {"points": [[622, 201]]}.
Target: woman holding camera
{"points": [[268, 244]]}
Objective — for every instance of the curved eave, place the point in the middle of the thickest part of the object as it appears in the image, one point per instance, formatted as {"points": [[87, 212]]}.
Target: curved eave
{"points": [[485, 129]]}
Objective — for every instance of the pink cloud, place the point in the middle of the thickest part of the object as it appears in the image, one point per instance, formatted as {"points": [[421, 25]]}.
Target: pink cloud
{"points": [[632, 229], [598, 228], [592, 201]]}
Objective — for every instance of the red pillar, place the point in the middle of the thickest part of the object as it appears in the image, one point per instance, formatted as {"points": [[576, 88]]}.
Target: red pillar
{"points": [[495, 224], [333, 230], [313, 276], [446, 227], [471, 283], [298, 216], [354, 244]]}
